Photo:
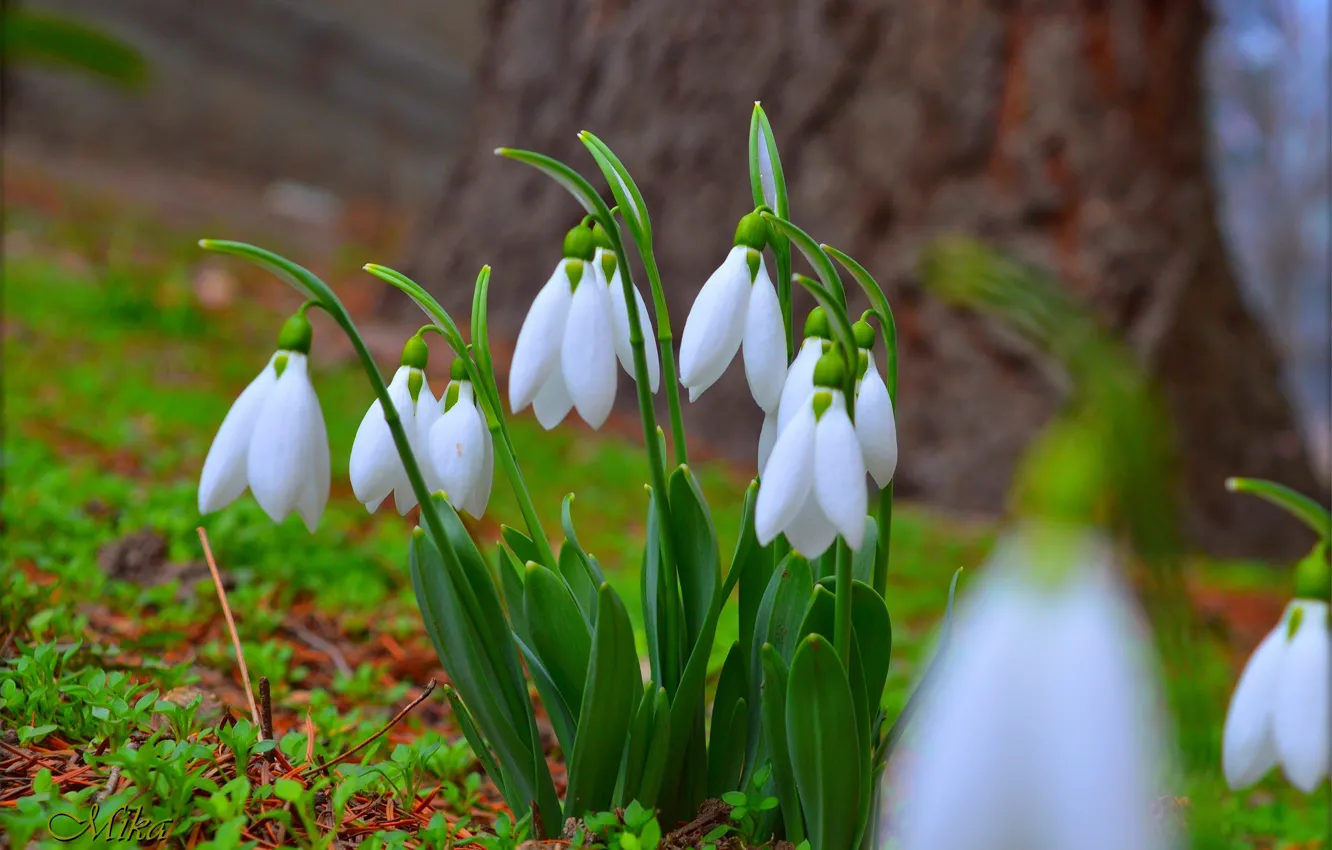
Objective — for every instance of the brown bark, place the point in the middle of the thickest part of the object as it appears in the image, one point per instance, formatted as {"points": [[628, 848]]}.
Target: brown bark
{"points": [[1068, 133]]}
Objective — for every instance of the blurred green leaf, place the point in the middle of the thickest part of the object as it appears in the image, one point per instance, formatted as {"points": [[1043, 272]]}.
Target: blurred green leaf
{"points": [[44, 38]]}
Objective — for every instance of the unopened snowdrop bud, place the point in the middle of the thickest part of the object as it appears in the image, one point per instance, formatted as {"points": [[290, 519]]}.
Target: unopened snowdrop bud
{"points": [[462, 451], [606, 267], [1042, 725], [876, 426], [798, 385], [565, 354], [737, 306], [376, 468], [813, 485], [273, 440], [1279, 714]]}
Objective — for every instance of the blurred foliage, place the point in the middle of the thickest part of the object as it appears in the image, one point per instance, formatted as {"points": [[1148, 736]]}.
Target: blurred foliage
{"points": [[44, 38]]}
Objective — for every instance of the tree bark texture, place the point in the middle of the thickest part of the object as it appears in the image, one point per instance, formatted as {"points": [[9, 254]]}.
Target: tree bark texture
{"points": [[1068, 133]]}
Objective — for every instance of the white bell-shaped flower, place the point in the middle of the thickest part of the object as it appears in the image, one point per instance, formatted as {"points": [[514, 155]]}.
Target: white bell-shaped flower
{"points": [[273, 440], [462, 451], [767, 437], [736, 307], [607, 270], [565, 354], [376, 468], [1041, 725], [1279, 713], [815, 459], [876, 426], [798, 383]]}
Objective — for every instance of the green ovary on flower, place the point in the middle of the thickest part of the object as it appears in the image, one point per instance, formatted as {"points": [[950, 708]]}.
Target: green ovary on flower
{"points": [[415, 353], [296, 333], [579, 244], [752, 232], [830, 371], [816, 325], [1313, 574], [863, 331]]}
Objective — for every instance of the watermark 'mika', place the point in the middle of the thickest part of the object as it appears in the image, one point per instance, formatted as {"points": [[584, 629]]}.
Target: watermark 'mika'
{"points": [[126, 823]]}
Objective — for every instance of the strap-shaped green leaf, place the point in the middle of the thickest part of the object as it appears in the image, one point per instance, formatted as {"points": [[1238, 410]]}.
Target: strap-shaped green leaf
{"points": [[563, 719], [523, 547], [659, 747], [476, 740], [731, 690], [1293, 502], [511, 583], [773, 710], [566, 522], [578, 576], [879, 304], [762, 141], [640, 735], [696, 552], [778, 618], [43, 38], [862, 562], [751, 567], [610, 695], [874, 633], [821, 730], [623, 187], [559, 634]]}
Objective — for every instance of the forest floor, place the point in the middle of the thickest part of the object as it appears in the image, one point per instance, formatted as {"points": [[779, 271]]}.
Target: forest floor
{"points": [[119, 684]]}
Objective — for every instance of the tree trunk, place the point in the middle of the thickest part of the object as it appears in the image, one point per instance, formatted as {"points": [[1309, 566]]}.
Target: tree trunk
{"points": [[1068, 133]]}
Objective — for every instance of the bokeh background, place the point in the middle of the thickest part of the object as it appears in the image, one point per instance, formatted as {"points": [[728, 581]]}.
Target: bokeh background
{"points": [[1167, 161]]}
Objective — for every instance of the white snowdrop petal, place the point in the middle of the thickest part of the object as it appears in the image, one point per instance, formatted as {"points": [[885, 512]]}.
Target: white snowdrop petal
{"points": [[839, 473], [965, 756], [649, 343], [587, 356], [767, 437], [315, 498], [371, 479], [764, 346], [281, 458], [536, 352], [715, 326], [428, 411], [799, 383], [1248, 748], [1300, 712], [1096, 769], [876, 428], [810, 532], [457, 449], [788, 477], [552, 404], [481, 493], [224, 479]]}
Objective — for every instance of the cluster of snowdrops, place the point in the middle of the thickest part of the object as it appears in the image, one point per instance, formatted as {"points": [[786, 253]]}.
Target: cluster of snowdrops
{"points": [[1039, 715]]}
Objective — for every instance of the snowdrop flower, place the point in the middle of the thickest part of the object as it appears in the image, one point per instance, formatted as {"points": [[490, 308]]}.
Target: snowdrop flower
{"points": [[1279, 713], [565, 354], [876, 427], [1043, 728], [376, 468], [462, 452], [606, 267], [273, 439], [813, 485], [737, 305], [798, 384]]}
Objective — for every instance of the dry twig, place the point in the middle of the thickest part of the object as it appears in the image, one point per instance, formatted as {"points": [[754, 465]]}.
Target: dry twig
{"points": [[394, 722], [231, 625]]}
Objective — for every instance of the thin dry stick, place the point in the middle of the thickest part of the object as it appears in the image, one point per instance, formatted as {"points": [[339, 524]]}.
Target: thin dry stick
{"points": [[394, 722], [231, 625]]}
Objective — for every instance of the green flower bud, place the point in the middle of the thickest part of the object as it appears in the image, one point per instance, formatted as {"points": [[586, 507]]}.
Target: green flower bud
{"points": [[296, 334], [752, 232], [415, 353], [817, 324], [458, 370], [830, 371], [579, 244], [1313, 575], [599, 237], [863, 331]]}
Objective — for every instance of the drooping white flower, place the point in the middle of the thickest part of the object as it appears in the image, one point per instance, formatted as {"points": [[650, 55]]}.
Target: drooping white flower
{"points": [[1043, 727], [376, 469], [736, 307], [1279, 713], [813, 485], [767, 437], [273, 440], [798, 383], [566, 347], [462, 451], [603, 261], [876, 426]]}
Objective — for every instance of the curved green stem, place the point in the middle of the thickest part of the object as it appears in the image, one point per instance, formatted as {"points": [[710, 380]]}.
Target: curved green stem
{"points": [[666, 348], [494, 412], [1296, 504], [315, 289]]}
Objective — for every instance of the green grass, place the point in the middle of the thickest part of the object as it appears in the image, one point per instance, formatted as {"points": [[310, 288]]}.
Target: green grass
{"points": [[111, 400]]}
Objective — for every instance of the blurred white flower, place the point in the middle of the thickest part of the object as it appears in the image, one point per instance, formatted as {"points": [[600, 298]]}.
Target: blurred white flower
{"points": [[1043, 728], [462, 452], [376, 469], [565, 354], [1279, 713], [813, 484], [737, 306], [605, 259], [273, 439]]}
